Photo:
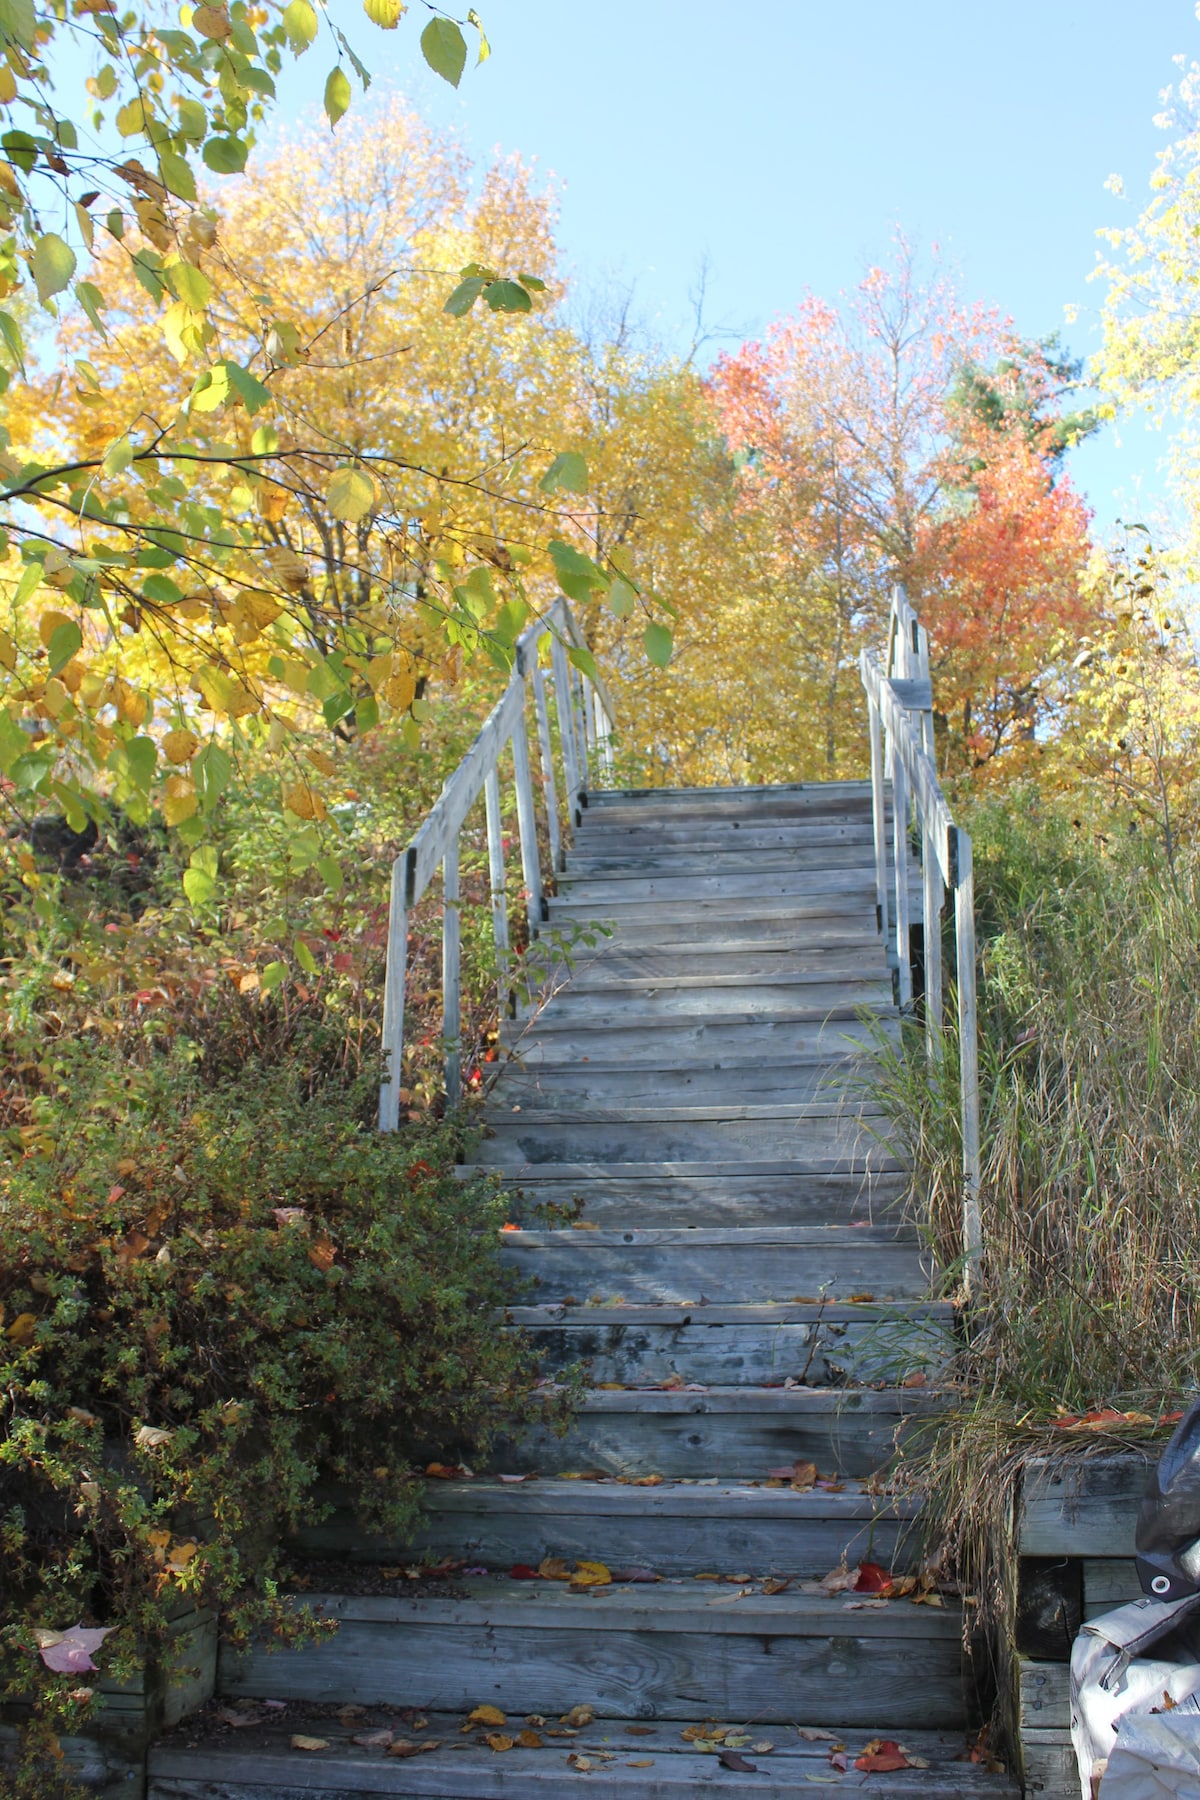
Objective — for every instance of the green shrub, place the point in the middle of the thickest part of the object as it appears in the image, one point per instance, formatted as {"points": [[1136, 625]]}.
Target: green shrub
{"points": [[216, 1299]]}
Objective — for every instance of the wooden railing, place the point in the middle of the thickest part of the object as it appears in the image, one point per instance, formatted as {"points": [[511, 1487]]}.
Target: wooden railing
{"points": [[900, 717], [585, 723]]}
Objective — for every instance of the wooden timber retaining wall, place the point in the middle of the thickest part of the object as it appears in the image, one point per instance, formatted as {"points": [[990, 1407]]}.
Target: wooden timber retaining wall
{"points": [[1075, 1535]]}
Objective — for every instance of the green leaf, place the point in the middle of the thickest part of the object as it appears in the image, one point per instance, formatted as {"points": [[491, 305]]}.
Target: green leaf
{"points": [[304, 956], [65, 642], [569, 471], [91, 300], [330, 871], [273, 976], [445, 49], [141, 756], [387, 14], [337, 94], [583, 659], [212, 771], [30, 582], [117, 457], [507, 296], [249, 390], [621, 598], [225, 155], [578, 576], [533, 282], [189, 284], [193, 120], [659, 644], [176, 172], [13, 741], [53, 265], [350, 494], [22, 149], [300, 23], [10, 331], [198, 884], [18, 20], [464, 296], [485, 49]]}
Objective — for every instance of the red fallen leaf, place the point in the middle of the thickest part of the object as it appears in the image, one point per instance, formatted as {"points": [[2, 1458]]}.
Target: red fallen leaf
{"points": [[872, 1579], [1169, 1418], [523, 1572], [839, 1760], [507, 1227], [882, 1758], [441, 1471]]}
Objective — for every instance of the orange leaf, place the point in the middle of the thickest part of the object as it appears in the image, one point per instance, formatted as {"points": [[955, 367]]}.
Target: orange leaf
{"points": [[881, 1757]]}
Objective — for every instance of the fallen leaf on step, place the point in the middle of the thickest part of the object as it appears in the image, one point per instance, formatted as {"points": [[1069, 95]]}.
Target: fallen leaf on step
{"points": [[917, 1379], [838, 1759], [350, 1715], [535, 1719], [584, 1225], [855, 1299], [553, 1568], [672, 1381], [641, 1730], [635, 1575], [645, 1481], [763, 1749], [836, 1582], [590, 1574], [708, 1733], [578, 1717], [882, 1756], [879, 1605], [707, 1576], [523, 1572], [812, 1736], [931, 1598], [872, 1579], [497, 1741], [775, 1584], [403, 1747], [645, 1762], [529, 1740], [738, 1580], [514, 1478], [299, 1742], [486, 1715], [737, 1740], [374, 1740], [582, 1763], [729, 1759]]}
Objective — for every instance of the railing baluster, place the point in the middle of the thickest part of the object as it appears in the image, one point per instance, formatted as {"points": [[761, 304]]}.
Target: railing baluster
{"points": [[495, 832], [564, 705], [452, 973], [878, 816], [393, 1000], [900, 860], [604, 737], [527, 826], [550, 788], [932, 931], [968, 1057]]}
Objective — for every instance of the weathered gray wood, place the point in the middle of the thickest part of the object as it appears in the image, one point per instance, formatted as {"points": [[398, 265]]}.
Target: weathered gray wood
{"points": [[848, 885], [597, 838], [751, 1351], [452, 974], [968, 1056], [572, 776], [1108, 1582], [495, 835], [617, 965], [735, 1432], [549, 785], [647, 1762], [1051, 1772], [1083, 1506], [677, 861], [934, 895], [661, 1652], [614, 1197], [1045, 1695], [900, 863], [553, 1089], [392, 1076], [516, 1140], [527, 822], [673, 1529], [785, 994]]}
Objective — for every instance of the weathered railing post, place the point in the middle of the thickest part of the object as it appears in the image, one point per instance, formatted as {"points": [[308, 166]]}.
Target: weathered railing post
{"points": [[549, 785], [565, 707], [452, 973], [527, 825], [393, 998], [878, 814], [495, 834], [968, 1053]]}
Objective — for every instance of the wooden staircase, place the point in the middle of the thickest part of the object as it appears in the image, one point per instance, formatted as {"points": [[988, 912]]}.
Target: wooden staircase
{"points": [[707, 1207]]}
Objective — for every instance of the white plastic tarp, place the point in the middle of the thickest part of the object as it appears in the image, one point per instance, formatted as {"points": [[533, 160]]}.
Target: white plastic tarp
{"points": [[1155, 1757], [1142, 1662]]}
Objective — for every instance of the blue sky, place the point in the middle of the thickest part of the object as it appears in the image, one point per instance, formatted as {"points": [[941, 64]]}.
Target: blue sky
{"points": [[783, 143]]}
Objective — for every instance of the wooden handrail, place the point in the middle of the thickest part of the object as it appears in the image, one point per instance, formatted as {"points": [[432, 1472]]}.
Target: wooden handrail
{"points": [[585, 724], [900, 728]]}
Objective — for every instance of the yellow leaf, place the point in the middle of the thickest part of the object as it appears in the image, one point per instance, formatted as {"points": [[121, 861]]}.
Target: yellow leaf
{"points": [[591, 1574], [320, 761], [21, 1331], [350, 494], [180, 746], [497, 1741], [300, 1742], [49, 623], [301, 800], [181, 800], [8, 652], [487, 1715], [400, 691]]}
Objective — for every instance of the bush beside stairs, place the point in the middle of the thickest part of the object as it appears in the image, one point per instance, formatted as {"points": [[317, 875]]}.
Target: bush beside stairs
{"points": [[747, 1299]]}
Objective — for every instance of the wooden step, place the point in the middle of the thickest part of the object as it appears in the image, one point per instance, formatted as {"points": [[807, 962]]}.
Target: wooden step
{"points": [[665, 1651], [617, 969], [622, 1761], [720, 930], [519, 1139], [735, 1432], [576, 1088], [838, 886], [744, 1343], [678, 862], [612, 1197], [694, 838], [781, 996], [682, 1265], [807, 918], [679, 1528], [608, 1036]]}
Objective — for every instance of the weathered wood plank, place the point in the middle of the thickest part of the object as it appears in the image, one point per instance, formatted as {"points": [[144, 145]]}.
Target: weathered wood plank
{"points": [[735, 1432], [1051, 1772], [849, 885], [1045, 1695], [612, 1199], [662, 1652], [681, 1266], [1084, 1506], [784, 996], [516, 1142], [606, 1037], [673, 1529], [1108, 1582], [677, 862]]}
